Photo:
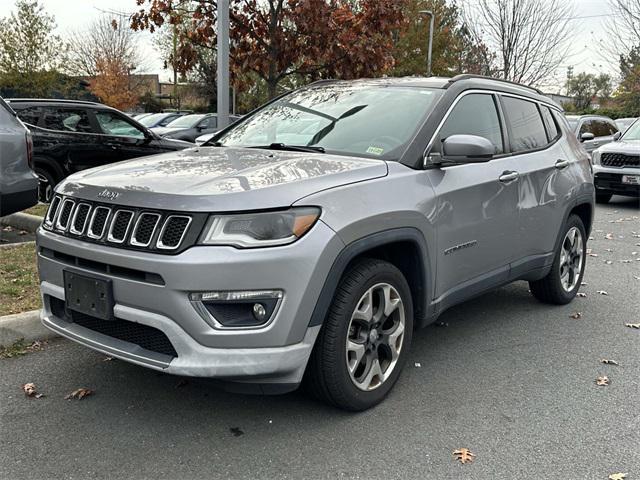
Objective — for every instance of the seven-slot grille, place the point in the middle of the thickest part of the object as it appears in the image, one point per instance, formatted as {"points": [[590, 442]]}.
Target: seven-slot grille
{"points": [[117, 226], [619, 160]]}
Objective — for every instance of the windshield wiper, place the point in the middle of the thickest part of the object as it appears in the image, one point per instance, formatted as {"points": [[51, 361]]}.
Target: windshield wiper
{"points": [[291, 148]]}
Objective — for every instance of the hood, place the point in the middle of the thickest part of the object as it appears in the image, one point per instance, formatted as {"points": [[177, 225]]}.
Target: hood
{"points": [[164, 130], [216, 179], [629, 147]]}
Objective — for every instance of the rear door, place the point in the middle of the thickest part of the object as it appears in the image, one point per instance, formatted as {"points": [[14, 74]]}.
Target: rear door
{"points": [[477, 211], [543, 166]]}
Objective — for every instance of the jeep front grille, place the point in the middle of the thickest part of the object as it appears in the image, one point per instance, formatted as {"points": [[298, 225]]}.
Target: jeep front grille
{"points": [[619, 160], [137, 228]]}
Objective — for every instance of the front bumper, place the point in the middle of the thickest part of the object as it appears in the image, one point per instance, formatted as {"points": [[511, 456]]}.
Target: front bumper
{"points": [[276, 353], [609, 180]]}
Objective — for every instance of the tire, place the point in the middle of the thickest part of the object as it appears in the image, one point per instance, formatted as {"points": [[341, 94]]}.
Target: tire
{"points": [[567, 264], [46, 184], [354, 386], [603, 197]]}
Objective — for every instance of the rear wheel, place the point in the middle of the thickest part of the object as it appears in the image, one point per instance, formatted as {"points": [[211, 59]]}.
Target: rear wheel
{"points": [[46, 184], [563, 281], [363, 343], [603, 197]]}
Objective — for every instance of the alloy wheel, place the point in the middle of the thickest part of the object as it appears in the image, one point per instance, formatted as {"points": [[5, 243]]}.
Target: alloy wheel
{"points": [[571, 259], [375, 337]]}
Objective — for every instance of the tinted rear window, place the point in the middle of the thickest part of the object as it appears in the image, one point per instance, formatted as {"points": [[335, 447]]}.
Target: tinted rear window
{"points": [[527, 128]]}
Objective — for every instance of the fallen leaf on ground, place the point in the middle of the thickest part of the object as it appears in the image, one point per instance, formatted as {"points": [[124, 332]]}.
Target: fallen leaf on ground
{"points": [[464, 455], [589, 250], [593, 254], [608, 362], [626, 261], [609, 236], [636, 277], [576, 315], [602, 381], [581, 294], [602, 292], [107, 359], [79, 394], [236, 431], [632, 325], [417, 365], [29, 389], [617, 476], [584, 284]]}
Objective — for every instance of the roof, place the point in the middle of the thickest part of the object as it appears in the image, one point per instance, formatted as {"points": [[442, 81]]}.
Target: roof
{"points": [[57, 101]]}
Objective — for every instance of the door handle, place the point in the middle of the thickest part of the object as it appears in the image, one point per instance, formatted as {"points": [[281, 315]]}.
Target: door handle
{"points": [[113, 146], [508, 176], [560, 164]]}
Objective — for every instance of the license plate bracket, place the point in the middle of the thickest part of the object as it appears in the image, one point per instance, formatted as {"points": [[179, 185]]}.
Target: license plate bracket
{"points": [[631, 179], [88, 294]]}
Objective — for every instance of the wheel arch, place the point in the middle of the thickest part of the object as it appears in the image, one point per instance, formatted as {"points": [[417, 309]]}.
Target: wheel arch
{"points": [[406, 248], [51, 165]]}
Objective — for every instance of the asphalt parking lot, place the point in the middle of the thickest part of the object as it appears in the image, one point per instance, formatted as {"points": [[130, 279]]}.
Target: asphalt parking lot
{"points": [[509, 378]]}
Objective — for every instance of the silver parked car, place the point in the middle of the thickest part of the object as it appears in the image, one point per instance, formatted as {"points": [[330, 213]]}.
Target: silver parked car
{"points": [[18, 182], [616, 166], [261, 262], [593, 130]]}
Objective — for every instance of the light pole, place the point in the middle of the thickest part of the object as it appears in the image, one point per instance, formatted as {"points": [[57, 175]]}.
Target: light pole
{"points": [[223, 63], [431, 21]]}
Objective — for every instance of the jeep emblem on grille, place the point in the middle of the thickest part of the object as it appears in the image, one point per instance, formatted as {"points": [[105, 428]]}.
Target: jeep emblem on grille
{"points": [[108, 194]]}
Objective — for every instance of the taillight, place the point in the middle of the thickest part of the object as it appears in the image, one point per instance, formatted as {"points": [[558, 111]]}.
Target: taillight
{"points": [[29, 141]]}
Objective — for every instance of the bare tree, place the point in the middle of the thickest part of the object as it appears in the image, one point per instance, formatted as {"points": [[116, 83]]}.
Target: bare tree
{"points": [[622, 28], [105, 39], [530, 37]]}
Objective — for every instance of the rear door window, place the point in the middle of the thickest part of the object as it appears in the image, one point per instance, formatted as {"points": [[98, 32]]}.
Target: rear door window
{"points": [[67, 120], [474, 114], [527, 130], [552, 128], [30, 115]]}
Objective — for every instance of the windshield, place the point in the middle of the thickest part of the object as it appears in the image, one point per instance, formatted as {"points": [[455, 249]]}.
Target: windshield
{"points": [[633, 132], [151, 119], [187, 121], [362, 120]]}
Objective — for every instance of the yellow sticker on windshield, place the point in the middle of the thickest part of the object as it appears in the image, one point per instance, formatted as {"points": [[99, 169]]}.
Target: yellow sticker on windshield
{"points": [[375, 150]]}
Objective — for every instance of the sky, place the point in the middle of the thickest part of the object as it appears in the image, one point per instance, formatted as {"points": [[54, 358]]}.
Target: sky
{"points": [[76, 15]]}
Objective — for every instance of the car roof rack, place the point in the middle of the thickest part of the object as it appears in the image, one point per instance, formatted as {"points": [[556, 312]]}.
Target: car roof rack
{"points": [[51, 100], [469, 76]]}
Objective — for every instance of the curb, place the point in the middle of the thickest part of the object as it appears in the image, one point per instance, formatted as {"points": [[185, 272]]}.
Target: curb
{"points": [[23, 326], [22, 221]]}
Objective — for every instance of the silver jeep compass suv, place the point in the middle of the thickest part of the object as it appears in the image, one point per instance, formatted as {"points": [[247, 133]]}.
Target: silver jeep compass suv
{"points": [[307, 241]]}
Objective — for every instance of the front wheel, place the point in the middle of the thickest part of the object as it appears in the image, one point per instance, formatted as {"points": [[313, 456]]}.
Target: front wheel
{"points": [[561, 284], [363, 343]]}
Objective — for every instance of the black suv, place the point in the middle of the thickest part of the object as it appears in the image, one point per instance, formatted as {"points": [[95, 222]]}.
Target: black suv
{"points": [[72, 135]]}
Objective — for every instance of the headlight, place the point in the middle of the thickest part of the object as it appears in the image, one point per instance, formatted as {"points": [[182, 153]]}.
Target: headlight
{"points": [[595, 157], [265, 229]]}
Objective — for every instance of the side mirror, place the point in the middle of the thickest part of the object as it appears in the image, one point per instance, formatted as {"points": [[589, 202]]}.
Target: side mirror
{"points": [[467, 149], [616, 136], [586, 136]]}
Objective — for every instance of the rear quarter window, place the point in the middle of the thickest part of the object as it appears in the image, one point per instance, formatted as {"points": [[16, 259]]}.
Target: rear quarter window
{"points": [[553, 129], [526, 128]]}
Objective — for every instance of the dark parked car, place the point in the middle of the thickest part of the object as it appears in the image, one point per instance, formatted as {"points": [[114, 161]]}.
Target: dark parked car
{"points": [[70, 136], [190, 127], [18, 183], [159, 119], [593, 131]]}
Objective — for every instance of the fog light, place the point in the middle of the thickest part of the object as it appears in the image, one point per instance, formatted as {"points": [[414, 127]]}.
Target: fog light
{"points": [[237, 309], [259, 312]]}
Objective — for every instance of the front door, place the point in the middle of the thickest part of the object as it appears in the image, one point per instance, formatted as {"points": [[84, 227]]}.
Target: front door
{"points": [[476, 217]]}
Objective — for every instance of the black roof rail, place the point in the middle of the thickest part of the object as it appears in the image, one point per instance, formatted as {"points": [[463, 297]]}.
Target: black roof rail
{"points": [[468, 76], [51, 100]]}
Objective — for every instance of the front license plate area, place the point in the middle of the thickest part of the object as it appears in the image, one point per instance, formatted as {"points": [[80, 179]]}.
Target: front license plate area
{"points": [[89, 295], [631, 179]]}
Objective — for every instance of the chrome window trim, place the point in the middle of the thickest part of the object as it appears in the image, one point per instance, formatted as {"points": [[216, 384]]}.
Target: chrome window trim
{"points": [[113, 222], [133, 240], [159, 243], [106, 222], [72, 228], [60, 209], [425, 155]]}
